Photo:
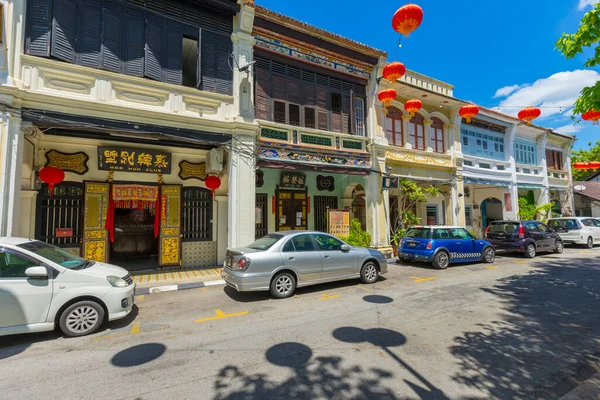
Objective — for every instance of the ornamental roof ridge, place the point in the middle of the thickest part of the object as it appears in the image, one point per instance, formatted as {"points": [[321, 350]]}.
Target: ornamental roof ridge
{"points": [[319, 32]]}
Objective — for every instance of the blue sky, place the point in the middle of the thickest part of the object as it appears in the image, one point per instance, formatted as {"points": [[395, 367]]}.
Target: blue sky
{"points": [[495, 53]]}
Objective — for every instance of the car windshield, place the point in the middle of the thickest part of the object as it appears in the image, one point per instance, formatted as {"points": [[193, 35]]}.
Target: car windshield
{"points": [[55, 254], [265, 242], [560, 223], [419, 233], [506, 227]]}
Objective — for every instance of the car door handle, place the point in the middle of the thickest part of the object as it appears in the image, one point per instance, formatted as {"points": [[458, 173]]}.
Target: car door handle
{"points": [[325, 256], [291, 258]]}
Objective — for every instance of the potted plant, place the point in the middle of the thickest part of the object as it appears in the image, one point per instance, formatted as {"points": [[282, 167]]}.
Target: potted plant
{"points": [[395, 238]]}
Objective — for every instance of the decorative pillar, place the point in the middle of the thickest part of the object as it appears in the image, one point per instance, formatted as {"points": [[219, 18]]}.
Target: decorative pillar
{"points": [[449, 138], [242, 191], [11, 162], [405, 133], [376, 212], [513, 189], [426, 132], [542, 142], [243, 82], [456, 122]]}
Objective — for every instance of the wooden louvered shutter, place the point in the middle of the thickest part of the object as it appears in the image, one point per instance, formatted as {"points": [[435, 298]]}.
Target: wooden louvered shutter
{"points": [[154, 47], [346, 113], [308, 94], [90, 34], [353, 113], [39, 25], [549, 158], [278, 91], [173, 53], [323, 113], [64, 30], [112, 38], [293, 91], [224, 81], [208, 55], [262, 93], [134, 42]]}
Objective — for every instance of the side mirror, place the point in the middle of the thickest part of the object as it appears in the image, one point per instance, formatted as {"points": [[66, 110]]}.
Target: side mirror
{"points": [[551, 230], [346, 247], [37, 272]]}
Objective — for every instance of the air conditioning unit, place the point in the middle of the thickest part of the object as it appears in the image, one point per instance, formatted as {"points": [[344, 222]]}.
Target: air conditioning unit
{"points": [[214, 161]]}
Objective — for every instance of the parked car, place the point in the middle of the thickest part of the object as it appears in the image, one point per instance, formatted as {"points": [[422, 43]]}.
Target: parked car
{"points": [[577, 230], [43, 286], [281, 261], [443, 245], [527, 237]]}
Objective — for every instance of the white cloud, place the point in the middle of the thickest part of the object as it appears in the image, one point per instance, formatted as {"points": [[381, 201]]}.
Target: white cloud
{"points": [[569, 129], [551, 93], [587, 3], [506, 90]]}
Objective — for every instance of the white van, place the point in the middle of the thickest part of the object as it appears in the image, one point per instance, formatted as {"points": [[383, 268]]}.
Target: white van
{"points": [[577, 230], [42, 286]]}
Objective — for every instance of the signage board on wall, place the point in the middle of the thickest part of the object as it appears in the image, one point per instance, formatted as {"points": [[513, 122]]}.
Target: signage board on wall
{"points": [[390, 182], [112, 158], [338, 222], [293, 180], [64, 232], [508, 202]]}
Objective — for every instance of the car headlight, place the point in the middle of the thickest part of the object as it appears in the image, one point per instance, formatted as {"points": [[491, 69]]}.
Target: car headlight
{"points": [[115, 281]]}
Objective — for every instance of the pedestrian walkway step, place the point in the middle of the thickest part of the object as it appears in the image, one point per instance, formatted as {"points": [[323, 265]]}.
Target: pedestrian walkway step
{"points": [[174, 276]]}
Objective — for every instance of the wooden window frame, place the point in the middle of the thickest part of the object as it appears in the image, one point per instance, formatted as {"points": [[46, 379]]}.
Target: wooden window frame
{"points": [[393, 131], [437, 135], [417, 120]]}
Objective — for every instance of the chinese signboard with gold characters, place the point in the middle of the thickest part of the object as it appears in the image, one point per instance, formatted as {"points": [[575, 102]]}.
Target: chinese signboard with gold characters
{"points": [[133, 160]]}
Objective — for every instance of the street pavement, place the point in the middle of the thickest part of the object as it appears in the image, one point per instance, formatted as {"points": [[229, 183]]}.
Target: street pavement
{"points": [[515, 329]]}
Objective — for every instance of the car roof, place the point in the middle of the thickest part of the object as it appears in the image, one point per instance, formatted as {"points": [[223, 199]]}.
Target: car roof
{"points": [[578, 218], [14, 241], [437, 227], [289, 233]]}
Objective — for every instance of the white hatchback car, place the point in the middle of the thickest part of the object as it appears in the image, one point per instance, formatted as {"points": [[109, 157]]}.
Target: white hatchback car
{"points": [[577, 230], [42, 286]]}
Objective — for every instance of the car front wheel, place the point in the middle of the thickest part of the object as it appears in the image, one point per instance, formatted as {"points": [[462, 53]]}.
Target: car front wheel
{"points": [[369, 273], [560, 247], [81, 318], [283, 285], [441, 260], [530, 250], [489, 255]]}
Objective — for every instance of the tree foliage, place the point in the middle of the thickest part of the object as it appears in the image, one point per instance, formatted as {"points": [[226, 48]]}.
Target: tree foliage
{"points": [[357, 237], [583, 155], [528, 210], [572, 44], [411, 193]]}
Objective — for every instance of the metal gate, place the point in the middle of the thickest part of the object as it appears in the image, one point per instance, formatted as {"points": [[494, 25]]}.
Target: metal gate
{"points": [[322, 204], [63, 210], [261, 220]]}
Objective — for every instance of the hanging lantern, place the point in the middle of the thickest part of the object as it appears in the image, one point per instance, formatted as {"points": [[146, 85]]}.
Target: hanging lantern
{"points": [[594, 164], [386, 96], [412, 106], [394, 71], [407, 19], [580, 165], [213, 183], [592, 115], [468, 111], [528, 114], [52, 176]]}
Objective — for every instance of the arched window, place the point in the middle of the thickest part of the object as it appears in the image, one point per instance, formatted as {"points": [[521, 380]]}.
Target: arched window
{"points": [[416, 132], [436, 135], [393, 127]]}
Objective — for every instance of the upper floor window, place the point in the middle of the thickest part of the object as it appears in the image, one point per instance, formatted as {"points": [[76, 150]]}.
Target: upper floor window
{"points": [[184, 45], [393, 127], [488, 145], [436, 135], [525, 152], [295, 96], [416, 132], [554, 159]]}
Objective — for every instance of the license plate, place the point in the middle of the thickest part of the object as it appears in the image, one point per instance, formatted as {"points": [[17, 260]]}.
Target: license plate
{"points": [[412, 245]]}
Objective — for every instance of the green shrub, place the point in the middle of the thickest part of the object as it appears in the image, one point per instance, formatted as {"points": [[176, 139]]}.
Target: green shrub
{"points": [[357, 237]]}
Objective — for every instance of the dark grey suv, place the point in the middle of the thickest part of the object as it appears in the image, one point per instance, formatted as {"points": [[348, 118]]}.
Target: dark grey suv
{"points": [[527, 237]]}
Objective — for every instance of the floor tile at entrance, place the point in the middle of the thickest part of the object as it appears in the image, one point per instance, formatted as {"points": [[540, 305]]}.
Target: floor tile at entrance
{"points": [[175, 276]]}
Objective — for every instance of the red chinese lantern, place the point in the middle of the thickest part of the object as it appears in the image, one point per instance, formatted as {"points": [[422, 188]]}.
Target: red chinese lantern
{"points": [[580, 165], [407, 19], [386, 96], [394, 71], [594, 164], [528, 114], [52, 176], [412, 106], [468, 111], [213, 183], [592, 116]]}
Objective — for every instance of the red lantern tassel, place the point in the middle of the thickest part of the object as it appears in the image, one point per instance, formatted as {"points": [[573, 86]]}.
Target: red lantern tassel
{"points": [[110, 217], [157, 216]]}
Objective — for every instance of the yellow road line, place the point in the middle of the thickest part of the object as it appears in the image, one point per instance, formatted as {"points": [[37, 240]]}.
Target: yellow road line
{"points": [[221, 315], [418, 279], [140, 297], [116, 335], [522, 262], [204, 289], [135, 328], [492, 267], [326, 296]]}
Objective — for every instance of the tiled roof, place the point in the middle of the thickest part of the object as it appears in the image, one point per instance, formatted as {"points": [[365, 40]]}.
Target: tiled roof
{"points": [[314, 31], [533, 125], [592, 189]]}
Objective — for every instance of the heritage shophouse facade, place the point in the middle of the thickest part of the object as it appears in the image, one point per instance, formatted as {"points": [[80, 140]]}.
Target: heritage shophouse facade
{"points": [[134, 101]]}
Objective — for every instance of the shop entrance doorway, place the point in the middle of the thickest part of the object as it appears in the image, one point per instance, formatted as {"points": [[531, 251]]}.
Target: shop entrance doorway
{"points": [[292, 208], [135, 247]]}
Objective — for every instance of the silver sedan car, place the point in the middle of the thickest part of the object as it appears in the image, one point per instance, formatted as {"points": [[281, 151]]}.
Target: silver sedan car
{"points": [[281, 261]]}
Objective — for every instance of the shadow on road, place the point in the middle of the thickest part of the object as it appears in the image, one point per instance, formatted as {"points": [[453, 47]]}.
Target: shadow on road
{"points": [[378, 299], [546, 339], [138, 355]]}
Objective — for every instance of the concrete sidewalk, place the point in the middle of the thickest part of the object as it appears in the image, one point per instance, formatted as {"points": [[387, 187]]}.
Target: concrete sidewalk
{"points": [[169, 279], [588, 390]]}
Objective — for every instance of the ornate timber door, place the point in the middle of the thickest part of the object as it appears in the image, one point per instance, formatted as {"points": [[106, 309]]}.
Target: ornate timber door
{"points": [[170, 226], [291, 210], [95, 208]]}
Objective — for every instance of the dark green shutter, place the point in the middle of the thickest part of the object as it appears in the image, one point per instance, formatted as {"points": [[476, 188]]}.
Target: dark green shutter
{"points": [[135, 24], [39, 25], [112, 40], [64, 38], [90, 34], [224, 78], [208, 56], [173, 53], [154, 47]]}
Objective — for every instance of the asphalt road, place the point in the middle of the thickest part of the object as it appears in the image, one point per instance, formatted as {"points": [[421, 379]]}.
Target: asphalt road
{"points": [[513, 329]]}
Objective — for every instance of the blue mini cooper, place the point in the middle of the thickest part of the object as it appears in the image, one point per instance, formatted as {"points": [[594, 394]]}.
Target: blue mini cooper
{"points": [[442, 245]]}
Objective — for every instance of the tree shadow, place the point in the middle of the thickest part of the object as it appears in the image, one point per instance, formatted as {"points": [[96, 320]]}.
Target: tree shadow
{"points": [[547, 338], [311, 378]]}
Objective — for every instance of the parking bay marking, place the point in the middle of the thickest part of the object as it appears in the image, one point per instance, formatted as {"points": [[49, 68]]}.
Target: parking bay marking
{"points": [[492, 267], [418, 279], [135, 329], [326, 296], [221, 315]]}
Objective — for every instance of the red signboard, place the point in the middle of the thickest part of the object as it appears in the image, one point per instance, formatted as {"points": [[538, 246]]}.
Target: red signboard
{"points": [[508, 202], [64, 232]]}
